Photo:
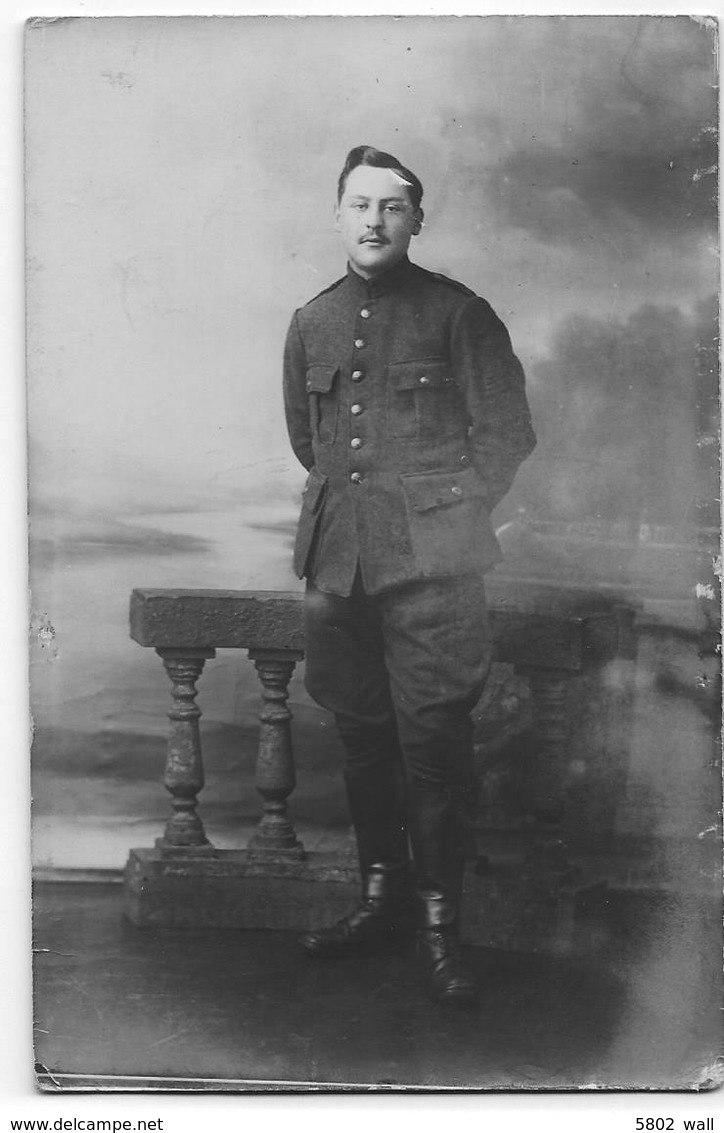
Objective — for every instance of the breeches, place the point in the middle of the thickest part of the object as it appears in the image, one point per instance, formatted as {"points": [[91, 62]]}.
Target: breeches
{"points": [[402, 671]]}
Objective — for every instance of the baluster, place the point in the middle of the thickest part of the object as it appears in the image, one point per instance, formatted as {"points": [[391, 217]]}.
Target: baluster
{"points": [[544, 774], [275, 779], [184, 776]]}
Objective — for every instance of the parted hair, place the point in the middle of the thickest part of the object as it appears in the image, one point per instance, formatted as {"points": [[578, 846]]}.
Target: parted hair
{"points": [[368, 155]]}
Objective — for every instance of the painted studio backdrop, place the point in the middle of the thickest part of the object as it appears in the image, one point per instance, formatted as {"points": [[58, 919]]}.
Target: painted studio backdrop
{"points": [[181, 175]]}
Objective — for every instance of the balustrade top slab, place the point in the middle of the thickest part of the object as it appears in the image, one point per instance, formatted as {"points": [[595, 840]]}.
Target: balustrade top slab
{"points": [[220, 619], [540, 633]]}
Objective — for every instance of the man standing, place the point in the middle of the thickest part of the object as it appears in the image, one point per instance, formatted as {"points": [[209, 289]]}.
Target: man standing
{"points": [[406, 404]]}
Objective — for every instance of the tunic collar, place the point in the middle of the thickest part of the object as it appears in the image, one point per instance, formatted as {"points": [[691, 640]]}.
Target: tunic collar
{"points": [[389, 281]]}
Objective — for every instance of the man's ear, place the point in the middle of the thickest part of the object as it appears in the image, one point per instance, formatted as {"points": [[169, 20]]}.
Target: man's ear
{"points": [[418, 222], [337, 218]]}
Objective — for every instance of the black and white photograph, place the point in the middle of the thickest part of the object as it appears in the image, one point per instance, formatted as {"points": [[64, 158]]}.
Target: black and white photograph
{"points": [[374, 497]]}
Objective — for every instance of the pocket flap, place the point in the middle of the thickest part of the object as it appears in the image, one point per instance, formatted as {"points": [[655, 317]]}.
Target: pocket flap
{"points": [[423, 374], [313, 492], [426, 490], [320, 377]]}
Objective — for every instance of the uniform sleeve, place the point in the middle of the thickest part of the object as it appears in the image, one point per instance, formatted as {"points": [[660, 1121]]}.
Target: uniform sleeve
{"points": [[296, 401], [493, 384]]}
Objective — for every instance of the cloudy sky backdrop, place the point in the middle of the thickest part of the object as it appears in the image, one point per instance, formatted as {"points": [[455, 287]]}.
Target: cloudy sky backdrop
{"points": [[181, 180]]}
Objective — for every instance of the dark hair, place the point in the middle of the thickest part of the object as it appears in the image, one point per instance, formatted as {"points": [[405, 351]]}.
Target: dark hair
{"points": [[368, 155]]}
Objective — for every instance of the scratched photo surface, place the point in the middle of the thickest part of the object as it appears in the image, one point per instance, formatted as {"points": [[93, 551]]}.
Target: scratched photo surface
{"points": [[181, 176]]}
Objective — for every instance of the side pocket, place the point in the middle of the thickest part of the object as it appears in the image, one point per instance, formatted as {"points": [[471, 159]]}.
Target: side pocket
{"points": [[312, 504], [450, 529]]}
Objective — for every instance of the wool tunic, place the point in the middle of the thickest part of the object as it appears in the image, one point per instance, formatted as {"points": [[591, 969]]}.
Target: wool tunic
{"points": [[406, 404]]}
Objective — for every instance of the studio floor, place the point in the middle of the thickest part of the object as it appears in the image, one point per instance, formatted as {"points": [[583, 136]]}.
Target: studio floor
{"points": [[232, 1009]]}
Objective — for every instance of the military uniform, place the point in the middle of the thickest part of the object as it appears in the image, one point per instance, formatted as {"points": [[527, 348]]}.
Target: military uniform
{"points": [[405, 402]]}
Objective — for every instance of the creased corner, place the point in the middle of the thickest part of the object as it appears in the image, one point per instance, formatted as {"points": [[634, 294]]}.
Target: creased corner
{"points": [[44, 21], [709, 23], [712, 1076], [45, 1079]]}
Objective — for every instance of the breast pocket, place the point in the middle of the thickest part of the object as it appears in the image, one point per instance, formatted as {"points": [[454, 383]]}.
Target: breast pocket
{"points": [[423, 399], [323, 397]]}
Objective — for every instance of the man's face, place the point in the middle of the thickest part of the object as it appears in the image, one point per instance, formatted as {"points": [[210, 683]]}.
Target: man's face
{"points": [[376, 219]]}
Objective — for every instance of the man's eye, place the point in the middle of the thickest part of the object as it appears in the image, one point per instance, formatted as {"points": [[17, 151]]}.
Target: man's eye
{"points": [[359, 207], [393, 208]]}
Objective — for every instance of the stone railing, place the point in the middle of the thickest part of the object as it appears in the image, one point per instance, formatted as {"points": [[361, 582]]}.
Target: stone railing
{"points": [[185, 627], [552, 638]]}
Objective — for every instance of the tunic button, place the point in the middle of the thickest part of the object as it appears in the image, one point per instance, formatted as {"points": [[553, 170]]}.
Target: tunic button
{"points": [[356, 477], [364, 313], [359, 343], [424, 381], [356, 442], [357, 375], [463, 459], [456, 491], [356, 409]]}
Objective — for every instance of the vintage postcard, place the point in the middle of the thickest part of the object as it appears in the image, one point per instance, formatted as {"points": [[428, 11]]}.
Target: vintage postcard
{"points": [[373, 407]]}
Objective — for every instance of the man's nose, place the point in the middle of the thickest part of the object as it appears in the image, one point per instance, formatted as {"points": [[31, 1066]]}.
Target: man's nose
{"points": [[374, 217]]}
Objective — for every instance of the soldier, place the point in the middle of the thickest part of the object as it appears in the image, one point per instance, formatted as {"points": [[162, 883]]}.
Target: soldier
{"points": [[405, 403]]}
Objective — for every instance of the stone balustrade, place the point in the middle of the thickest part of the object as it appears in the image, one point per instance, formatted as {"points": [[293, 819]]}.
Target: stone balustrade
{"points": [[551, 637]]}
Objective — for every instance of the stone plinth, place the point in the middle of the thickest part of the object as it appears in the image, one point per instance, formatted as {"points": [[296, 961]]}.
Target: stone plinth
{"points": [[232, 890], [518, 912]]}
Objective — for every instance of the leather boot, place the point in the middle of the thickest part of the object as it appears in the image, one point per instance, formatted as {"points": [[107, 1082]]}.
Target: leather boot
{"points": [[439, 853], [376, 789], [377, 805], [446, 975], [376, 924]]}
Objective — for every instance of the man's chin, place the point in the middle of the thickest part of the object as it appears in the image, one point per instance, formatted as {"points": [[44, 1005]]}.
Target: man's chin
{"points": [[374, 259]]}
